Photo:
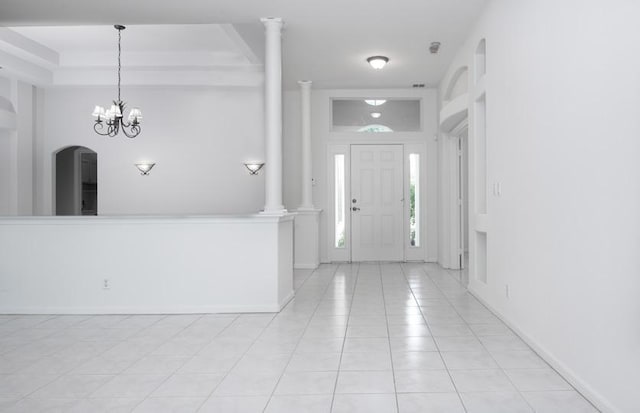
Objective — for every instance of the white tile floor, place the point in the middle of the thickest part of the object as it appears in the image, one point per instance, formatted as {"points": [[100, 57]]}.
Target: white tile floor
{"points": [[357, 338]]}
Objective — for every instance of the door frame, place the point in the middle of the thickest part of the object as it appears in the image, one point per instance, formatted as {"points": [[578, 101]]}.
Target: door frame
{"points": [[453, 197], [410, 146]]}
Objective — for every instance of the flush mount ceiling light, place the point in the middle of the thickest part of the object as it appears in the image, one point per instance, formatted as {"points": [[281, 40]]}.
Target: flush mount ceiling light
{"points": [[145, 167], [253, 167], [378, 62], [375, 102], [114, 116], [376, 115]]}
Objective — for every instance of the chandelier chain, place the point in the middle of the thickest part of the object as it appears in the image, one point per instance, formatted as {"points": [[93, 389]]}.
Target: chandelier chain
{"points": [[119, 65]]}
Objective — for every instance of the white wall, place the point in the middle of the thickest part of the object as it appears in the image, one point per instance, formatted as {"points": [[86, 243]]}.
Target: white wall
{"points": [[198, 137], [16, 154], [465, 190], [5, 171], [292, 149], [563, 98], [162, 264], [321, 137], [24, 147]]}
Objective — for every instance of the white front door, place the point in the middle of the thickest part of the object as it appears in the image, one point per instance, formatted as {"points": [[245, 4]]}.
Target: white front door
{"points": [[376, 203]]}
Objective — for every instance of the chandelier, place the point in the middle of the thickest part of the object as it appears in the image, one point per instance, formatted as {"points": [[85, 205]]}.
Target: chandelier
{"points": [[114, 116]]}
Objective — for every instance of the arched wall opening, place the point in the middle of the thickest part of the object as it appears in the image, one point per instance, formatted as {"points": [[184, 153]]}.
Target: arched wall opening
{"points": [[75, 183], [458, 85]]}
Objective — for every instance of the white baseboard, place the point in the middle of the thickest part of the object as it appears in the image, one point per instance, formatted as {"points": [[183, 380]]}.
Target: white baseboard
{"points": [[205, 309], [305, 266], [599, 401], [286, 300]]}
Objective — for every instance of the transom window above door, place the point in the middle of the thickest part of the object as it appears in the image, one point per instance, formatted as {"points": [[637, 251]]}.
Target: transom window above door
{"points": [[375, 115]]}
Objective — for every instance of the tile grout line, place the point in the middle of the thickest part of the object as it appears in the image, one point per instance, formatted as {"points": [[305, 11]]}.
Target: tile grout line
{"points": [[305, 329], [386, 319], [225, 375], [520, 392], [26, 396], [402, 266], [479, 340], [149, 353], [344, 339]]}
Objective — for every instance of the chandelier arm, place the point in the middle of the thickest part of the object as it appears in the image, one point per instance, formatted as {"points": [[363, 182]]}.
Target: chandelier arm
{"points": [[135, 131], [98, 126]]}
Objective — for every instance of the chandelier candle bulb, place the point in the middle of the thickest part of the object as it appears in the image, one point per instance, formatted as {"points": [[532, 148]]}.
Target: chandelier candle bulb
{"points": [[98, 112], [135, 116]]}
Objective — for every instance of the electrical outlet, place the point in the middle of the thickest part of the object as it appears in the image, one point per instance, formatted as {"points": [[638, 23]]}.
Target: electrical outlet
{"points": [[497, 189], [507, 293], [106, 284]]}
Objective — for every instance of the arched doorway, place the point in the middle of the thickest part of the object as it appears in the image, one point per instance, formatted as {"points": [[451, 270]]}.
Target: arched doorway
{"points": [[76, 181], [454, 161]]}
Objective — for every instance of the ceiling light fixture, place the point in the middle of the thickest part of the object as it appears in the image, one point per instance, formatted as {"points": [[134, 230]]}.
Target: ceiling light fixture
{"points": [[376, 115], [114, 117], [378, 62], [375, 102]]}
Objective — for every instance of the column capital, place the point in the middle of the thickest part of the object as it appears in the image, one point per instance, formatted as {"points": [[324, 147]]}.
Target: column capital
{"points": [[272, 22], [305, 83]]}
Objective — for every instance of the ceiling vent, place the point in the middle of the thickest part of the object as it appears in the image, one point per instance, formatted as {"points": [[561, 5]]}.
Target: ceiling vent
{"points": [[418, 85], [434, 47]]}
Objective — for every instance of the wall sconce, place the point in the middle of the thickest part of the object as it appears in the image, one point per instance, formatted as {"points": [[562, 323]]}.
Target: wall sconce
{"points": [[144, 168], [253, 167]]}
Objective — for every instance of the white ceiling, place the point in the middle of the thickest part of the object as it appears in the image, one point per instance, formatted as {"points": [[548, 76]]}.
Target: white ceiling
{"points": [[326, 41], [150, 38]]}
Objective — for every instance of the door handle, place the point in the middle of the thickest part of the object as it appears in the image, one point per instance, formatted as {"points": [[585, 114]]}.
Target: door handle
{"points": [[355, 209]]}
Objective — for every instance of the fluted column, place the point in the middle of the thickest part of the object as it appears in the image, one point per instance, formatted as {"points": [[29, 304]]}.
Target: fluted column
{"points": [[305, 105], [273, 115]]}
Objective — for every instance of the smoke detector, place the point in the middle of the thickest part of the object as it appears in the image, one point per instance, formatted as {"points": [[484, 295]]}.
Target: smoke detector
{"points": [[434, 47]]}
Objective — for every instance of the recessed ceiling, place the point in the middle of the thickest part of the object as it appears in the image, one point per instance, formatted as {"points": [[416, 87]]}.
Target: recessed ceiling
{"points": [[326, 41], [135, 38]]}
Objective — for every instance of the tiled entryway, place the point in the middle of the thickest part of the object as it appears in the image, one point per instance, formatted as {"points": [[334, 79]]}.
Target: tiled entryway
{"points": [[357, 338]]}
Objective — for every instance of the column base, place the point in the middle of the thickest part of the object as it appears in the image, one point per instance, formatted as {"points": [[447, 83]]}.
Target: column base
{"points": [[307, 209], [274, 212], [306, 236]]}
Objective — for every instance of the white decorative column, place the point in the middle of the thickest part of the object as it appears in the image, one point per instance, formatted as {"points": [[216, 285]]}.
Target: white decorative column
{"points": [[305, 105], [273, 115], [307, 222]]}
